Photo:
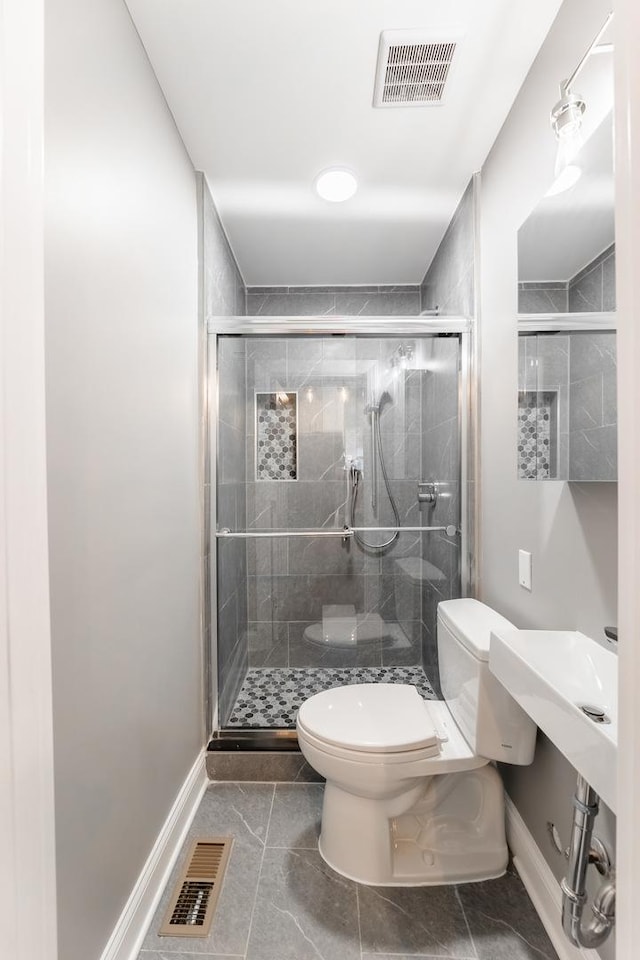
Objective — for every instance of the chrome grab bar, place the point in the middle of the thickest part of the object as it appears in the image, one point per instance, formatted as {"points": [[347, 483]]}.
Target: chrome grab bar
{"points": [[345, 532]]}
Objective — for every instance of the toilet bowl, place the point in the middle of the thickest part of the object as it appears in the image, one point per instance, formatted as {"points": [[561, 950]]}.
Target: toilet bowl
{"points": [[411, 797]]}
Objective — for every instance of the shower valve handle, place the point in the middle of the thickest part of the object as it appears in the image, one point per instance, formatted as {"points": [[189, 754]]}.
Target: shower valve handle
{"points": [[428, 492]]}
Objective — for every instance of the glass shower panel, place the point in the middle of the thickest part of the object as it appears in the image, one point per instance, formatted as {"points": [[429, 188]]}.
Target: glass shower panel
{"points": [[322, 577]]}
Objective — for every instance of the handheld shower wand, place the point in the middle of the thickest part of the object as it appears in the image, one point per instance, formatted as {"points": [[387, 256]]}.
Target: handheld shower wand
{"points": [[373, 409]]}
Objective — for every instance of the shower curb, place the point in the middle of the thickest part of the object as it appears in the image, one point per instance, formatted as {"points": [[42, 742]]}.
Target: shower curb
{"points": [[262, 766]]}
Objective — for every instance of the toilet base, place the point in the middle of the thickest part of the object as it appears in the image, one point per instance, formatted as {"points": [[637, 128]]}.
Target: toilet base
{"points": [[452, 832]]}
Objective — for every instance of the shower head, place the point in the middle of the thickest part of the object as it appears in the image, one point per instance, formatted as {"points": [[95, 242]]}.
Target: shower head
{"points": [[376, 406]]}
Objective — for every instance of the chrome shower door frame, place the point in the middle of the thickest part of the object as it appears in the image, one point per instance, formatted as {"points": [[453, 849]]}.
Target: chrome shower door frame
{"points": [[328, 326]]}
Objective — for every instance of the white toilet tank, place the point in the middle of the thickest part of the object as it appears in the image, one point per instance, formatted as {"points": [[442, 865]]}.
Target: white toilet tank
{"points": [[494, 725]]}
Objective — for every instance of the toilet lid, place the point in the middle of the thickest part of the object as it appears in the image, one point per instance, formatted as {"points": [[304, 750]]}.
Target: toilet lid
{"points": [[373, 717]]}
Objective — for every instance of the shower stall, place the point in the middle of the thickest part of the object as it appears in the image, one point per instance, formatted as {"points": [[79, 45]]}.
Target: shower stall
{"points": [[339, 515]]}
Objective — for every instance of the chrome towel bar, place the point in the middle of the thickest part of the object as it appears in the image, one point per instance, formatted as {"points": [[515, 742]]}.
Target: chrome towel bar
{"points": [[347, 532]]}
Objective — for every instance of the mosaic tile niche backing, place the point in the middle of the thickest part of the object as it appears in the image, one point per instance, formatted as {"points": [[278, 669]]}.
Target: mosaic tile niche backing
{"points": [[277, 436], [536, 434]]}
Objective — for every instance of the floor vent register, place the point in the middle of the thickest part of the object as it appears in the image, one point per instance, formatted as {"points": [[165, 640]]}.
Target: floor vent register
{"points": [[193, 902]]}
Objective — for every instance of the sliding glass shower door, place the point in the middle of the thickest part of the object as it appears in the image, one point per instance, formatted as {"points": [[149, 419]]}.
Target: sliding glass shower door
{"points": [[337, 515]]}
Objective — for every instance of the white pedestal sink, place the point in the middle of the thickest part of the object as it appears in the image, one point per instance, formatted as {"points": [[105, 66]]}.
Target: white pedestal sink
{"points": [[553, 675]]}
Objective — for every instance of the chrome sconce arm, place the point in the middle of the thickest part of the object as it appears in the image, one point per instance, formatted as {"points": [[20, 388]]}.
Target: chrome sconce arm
{"points": [[583, 850]]}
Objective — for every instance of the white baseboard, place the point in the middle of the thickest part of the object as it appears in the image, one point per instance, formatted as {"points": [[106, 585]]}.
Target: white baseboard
{"points": [[541, 885], [129, 932]]}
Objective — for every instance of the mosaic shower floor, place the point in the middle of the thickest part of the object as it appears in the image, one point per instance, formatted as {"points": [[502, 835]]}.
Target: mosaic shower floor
{"points": [[272, 696]]}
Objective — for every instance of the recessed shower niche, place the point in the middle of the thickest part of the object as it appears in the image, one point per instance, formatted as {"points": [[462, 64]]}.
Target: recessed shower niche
{"points": [[276, 432], [329, 565], [567, 416]]}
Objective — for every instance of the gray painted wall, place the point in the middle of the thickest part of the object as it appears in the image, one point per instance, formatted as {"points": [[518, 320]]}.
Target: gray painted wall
{"points": [[592, 289], [122, 437], [570, 529]]}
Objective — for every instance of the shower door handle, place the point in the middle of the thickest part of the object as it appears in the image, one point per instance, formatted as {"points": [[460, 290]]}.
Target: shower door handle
{"points": [[374, 461]]}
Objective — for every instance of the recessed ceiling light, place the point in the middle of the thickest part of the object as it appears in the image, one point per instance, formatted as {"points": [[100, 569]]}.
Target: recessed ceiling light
{"points": [[336, 184], [566, 179]]}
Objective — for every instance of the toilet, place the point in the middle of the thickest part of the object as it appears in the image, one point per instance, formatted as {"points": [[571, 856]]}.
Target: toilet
{"points": [[411, 795]]}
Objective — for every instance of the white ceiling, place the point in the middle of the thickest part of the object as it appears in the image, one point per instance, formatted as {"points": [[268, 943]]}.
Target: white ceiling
{"points": [[267, 94]]}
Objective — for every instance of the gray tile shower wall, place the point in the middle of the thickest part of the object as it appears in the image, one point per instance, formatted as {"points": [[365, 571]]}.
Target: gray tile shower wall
{"points": [[592, 289], [575, 376], [544, 297], [222, 292], [544, 367], [373, 301], [296, 579], [592, 403], [223, 287], [448, 285], [440, 575], [291, 582], [231, 512]]}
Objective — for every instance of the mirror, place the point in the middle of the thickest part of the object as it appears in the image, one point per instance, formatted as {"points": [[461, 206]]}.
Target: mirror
{"points": [[567, 426], [566, 253], [567, 417]]}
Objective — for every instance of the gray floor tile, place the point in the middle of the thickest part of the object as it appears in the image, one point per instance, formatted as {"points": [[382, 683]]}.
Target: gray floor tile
{"points": [[240, 811], [170, 955], [503, 922], [282, 902], [420, 920], [295, 819], [304, 910], [237, 809]]}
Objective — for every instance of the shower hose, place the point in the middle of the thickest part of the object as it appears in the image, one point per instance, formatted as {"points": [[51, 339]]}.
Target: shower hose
{"points": [[356, 476]]}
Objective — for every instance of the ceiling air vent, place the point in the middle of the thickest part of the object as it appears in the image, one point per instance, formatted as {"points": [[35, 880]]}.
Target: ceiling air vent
{"points": [[413, 69]]}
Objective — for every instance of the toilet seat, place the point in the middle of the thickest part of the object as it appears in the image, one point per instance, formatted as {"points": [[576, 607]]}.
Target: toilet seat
{"points": [[453, 754], [372, 719], [368, 757]]}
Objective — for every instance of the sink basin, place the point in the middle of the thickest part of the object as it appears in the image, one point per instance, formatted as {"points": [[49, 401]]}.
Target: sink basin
{"points": [[553, 674]]}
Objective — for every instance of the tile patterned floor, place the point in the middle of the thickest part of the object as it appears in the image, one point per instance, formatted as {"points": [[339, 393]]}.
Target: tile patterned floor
{"points": [[280, 901], [271, 696]]}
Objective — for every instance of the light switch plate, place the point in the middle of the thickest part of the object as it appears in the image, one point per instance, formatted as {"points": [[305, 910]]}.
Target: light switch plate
{"points": [[524, 569]]}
